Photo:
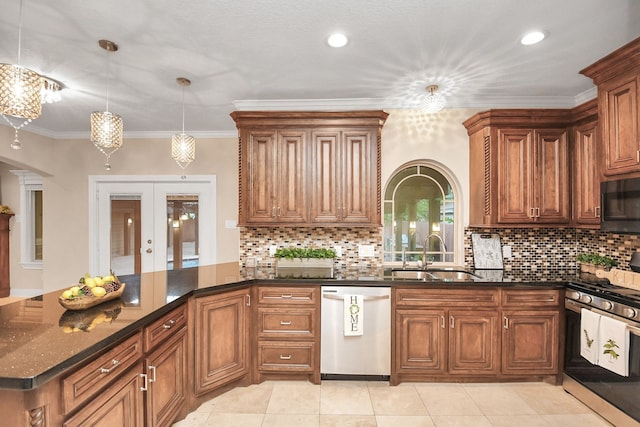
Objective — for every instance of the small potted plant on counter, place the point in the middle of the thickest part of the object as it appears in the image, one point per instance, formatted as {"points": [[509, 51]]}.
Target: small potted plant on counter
{"points": [[590, 262], [303, 262]]}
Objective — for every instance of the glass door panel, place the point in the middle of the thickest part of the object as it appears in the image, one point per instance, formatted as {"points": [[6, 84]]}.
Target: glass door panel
{"points": [[182, 232]]}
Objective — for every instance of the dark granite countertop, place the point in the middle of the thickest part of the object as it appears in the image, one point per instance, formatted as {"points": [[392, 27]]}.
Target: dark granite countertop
{"points": [[39, 339]]}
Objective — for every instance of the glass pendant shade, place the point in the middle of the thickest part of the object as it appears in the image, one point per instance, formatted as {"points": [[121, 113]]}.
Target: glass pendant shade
{"points": [[433, 102], [183, 149], [183, 146], [106, 133], [20, 92]]}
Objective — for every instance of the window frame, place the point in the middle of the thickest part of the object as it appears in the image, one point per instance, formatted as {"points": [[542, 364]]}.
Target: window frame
{"points": [[458, 206], [30, 182]]}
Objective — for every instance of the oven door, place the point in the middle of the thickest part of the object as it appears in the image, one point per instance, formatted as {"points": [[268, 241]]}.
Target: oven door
{"points": [[621, 392]]}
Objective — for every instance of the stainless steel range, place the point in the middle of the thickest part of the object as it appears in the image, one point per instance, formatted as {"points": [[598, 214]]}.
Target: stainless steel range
{"points": [[616, 397]]}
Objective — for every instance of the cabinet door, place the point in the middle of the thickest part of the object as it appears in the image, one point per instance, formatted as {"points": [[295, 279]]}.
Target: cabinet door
{"points": [[530, 342], [358, 200], [421, 341], [120, 405], [515, 169], [551, 177], [326, 205], [619, 107], [586, 193], [166, 369], [222, 336], [473, 342], [290, 205], [258, 172]]}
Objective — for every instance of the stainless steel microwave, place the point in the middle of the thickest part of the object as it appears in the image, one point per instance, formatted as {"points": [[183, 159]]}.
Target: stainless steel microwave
{"points": [[620, 206]]}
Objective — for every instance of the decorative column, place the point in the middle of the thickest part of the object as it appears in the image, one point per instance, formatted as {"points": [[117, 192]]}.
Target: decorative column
{"points": [[5, 283]]}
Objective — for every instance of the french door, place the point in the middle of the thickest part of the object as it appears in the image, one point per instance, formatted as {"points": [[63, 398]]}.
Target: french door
{"points": [[140, 225]]}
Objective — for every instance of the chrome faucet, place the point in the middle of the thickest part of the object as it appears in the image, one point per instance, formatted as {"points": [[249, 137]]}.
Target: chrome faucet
{"points": [[443, 248], [404, 257]]}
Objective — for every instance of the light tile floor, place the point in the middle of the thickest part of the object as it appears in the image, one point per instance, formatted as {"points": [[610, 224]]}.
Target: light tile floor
{"points": [[371, 404]]}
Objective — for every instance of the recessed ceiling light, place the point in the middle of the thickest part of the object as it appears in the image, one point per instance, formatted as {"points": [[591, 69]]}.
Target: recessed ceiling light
{"points": [[532, 37], [337, 40]]}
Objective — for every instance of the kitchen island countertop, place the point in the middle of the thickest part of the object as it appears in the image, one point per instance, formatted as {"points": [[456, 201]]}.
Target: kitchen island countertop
{"points": [[40, 340]]}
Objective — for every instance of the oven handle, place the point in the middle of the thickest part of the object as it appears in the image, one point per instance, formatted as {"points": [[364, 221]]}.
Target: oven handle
{"points": [[577, 306]]}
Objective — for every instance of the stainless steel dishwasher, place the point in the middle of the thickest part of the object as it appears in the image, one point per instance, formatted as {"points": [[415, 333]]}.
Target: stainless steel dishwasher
{"points": [[365, 356]]}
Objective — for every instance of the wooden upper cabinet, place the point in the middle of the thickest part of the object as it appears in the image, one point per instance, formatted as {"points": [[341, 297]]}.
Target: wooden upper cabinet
{"points": [[309, 168], [551, 178], [345, 177], [586, 182], [515, 176], [617, 76], [519, 167], [274, 174]]}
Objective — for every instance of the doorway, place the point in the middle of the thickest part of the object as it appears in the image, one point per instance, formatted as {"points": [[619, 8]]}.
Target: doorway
{"points": [[144, 224]]}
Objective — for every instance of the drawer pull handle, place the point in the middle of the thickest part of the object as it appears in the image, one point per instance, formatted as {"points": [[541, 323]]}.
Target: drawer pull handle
{"points": [[283, 357], [153, 374], [285, 323], [114, 363], [169, 324], [286, 296]]}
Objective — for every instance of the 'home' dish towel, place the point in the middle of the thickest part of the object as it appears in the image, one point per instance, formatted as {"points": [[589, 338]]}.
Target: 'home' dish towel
{"points": [[589, 328], [353, 315], [614, 346]]}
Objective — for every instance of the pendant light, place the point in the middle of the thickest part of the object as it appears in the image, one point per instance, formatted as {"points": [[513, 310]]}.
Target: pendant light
{"points": [[20, 91], [106, 127], [183, 146], [433, 102]]}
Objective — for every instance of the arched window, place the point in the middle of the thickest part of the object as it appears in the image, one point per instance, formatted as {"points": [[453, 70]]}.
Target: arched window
{"points": [[420, 215]]}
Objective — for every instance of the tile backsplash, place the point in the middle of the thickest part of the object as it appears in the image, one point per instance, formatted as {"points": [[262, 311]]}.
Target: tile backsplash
{"points": [[531, 248], [555, 248]]}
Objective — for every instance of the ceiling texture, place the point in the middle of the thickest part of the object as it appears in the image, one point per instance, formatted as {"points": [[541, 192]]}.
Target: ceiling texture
{"points": [[273, 55]]}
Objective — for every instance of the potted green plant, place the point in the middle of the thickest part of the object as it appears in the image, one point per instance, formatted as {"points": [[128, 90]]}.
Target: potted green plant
{"points": [[304, 257], [590, 262]]}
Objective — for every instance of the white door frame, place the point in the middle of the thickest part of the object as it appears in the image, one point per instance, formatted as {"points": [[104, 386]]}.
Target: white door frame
{"points": [[207, 227]]}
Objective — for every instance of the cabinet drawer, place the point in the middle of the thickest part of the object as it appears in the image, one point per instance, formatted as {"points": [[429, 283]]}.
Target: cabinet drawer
{"points": [[286, 356], [481, 297], [287, 322], [165, 327], [530, 298], [287, 295], [89, 379]]}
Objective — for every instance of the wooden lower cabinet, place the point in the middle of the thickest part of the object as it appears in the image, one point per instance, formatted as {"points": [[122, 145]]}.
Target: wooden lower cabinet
{"points": [[119, 405], [166, 370], [473, 342], [506, 335], [287, 345], [530, 342], [421, 341], [446, 342], [222, 335]]}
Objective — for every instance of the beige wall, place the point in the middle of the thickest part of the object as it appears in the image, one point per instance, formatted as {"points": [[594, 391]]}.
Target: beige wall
{"points": [[66, 165]]}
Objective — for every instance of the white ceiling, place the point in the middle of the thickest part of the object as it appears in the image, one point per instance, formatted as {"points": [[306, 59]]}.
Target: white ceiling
{"points": [[272, 54]]}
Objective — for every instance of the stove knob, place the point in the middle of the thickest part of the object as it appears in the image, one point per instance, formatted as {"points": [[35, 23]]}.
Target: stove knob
{"points": [[629, 312], [607, 305], [586, 298], [574, 295]]}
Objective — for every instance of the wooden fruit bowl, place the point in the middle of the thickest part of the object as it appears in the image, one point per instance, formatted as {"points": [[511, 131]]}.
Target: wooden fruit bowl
{"points": [[85, 302]]}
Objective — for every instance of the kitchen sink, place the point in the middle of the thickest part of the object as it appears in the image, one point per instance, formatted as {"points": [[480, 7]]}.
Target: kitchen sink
{"points": [[435, 275]]}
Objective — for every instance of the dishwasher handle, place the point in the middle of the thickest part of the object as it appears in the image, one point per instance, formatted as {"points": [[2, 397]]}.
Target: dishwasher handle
{"points": [[366, 298]]}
